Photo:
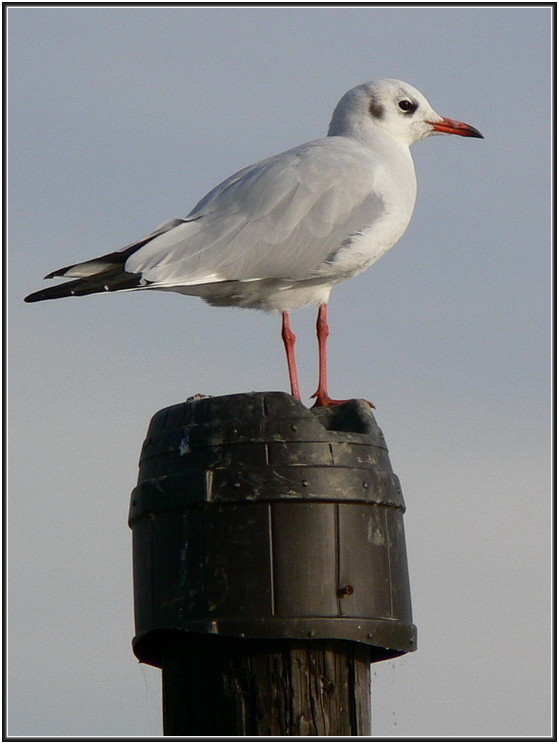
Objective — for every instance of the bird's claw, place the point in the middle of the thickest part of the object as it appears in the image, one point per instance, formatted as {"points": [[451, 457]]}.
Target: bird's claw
{"points": [[323, 399]]}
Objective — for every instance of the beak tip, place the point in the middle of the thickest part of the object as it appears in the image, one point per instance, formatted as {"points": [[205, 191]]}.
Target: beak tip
{"points": [[450, 126], [473, 132]]}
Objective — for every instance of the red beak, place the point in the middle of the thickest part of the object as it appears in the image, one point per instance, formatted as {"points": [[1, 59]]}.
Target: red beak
{"points": [[449, 126]]}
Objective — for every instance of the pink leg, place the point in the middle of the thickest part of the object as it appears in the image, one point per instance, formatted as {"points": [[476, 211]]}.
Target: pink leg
{"points": [[289, 342], [322, 331]]}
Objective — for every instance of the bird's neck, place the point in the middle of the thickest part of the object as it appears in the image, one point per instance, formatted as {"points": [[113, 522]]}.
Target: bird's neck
{"points": [[375, 138]]}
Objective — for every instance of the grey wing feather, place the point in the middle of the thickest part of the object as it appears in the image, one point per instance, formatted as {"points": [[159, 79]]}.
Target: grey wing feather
{"points": [[280, 218]]}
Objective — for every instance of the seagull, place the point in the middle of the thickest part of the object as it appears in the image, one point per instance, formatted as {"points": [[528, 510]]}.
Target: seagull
{"points": [[279, 234]]}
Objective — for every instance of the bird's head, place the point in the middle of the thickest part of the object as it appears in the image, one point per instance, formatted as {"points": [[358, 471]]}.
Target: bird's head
{"points": [[395, 107]]}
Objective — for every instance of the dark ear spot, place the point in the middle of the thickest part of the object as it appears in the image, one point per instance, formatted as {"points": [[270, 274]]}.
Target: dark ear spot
{"points": [[376, 109]]}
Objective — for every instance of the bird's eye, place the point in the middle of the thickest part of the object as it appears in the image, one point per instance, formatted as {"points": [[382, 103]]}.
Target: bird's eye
{"points": [[407, 106]]}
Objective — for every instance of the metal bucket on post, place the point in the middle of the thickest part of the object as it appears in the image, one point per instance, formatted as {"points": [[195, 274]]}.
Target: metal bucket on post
{"points": [[255, 517]]}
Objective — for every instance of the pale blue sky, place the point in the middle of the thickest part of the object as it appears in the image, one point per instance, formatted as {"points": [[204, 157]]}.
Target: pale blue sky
{"points": [[120, 118]]}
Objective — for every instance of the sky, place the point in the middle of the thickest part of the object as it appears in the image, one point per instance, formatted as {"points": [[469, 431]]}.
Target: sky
{"points": [[123, 117]]}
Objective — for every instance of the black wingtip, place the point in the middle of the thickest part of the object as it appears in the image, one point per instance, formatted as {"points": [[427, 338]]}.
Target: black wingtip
{"points": [[113, 280], [69, 289], [37, 296]]}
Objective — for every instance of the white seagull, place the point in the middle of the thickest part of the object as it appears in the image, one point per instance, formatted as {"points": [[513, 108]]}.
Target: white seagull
{"points": [[281, 233]]}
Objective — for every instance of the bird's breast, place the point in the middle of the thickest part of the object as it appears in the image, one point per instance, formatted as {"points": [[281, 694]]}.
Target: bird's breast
{"points": [[380, 222]]}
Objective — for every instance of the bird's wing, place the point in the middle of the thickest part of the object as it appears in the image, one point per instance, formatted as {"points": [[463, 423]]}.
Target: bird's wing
{"points": [[111, 260], [102, 274], [280, 218]]}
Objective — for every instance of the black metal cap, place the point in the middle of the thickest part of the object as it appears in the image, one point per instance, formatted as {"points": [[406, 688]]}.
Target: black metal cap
{"points": [[255, 516]]}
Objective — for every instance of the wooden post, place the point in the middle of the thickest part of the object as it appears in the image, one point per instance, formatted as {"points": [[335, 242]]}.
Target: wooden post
{"points": [[270, 566], [217, 686]]}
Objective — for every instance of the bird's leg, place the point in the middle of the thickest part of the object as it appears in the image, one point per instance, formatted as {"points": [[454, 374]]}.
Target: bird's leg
{"points": [[289, 339], [322, 332]]}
